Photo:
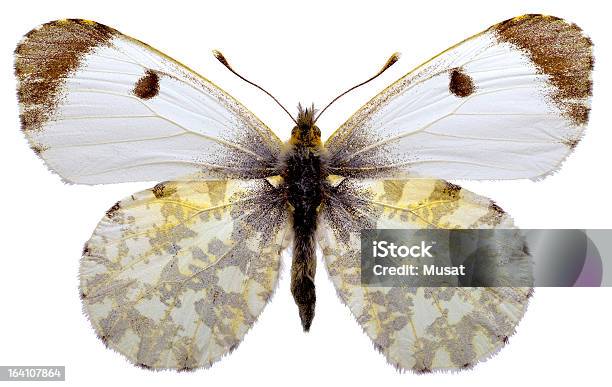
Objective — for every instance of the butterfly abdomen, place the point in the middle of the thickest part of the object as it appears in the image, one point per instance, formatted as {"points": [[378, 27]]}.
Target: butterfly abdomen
{"points": [[304, 193], [304, 177]]}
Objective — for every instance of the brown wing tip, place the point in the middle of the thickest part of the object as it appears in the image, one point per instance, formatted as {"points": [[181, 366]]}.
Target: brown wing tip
{"points": [[60, 27], [560, 50], [45, 56]]}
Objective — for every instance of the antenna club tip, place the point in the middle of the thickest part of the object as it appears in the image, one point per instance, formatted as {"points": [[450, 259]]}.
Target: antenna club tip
{"points": [[392, 60], [220, 57]]}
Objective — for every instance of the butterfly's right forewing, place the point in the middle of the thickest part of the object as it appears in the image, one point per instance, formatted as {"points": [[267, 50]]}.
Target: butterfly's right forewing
{"points": [[511, 102], [101, 107]]}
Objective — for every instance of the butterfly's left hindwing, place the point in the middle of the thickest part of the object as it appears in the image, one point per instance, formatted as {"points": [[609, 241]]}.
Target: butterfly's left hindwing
{"points": [[422, 329], [174, 276], [101, 107]]}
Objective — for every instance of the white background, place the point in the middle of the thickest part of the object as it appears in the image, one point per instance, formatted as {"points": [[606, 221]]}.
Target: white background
{"points": [[305, 52]]}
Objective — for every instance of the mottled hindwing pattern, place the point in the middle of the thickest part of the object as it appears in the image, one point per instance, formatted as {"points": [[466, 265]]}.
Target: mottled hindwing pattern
{"points": [[88, 93], [510, 102], [421, 329], [174, 276]]}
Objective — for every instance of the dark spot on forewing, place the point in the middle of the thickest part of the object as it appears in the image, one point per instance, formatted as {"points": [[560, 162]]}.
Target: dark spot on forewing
{"points": [[147, 87], [460, 83]]}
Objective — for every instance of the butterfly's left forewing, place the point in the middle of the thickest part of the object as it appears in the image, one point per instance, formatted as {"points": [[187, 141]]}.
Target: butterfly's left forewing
{"points": [[174, 276]]}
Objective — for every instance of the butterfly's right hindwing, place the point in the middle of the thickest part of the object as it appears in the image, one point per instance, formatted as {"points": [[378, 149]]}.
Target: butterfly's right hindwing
{"points": [[422, 328], [101, 107], [174, 276]]}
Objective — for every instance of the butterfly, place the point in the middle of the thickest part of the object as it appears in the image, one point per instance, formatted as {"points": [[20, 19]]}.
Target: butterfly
{"points": [[173, 277]]}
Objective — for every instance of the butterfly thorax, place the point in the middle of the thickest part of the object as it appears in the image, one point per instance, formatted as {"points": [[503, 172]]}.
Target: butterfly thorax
{"points": [[304, 175]]}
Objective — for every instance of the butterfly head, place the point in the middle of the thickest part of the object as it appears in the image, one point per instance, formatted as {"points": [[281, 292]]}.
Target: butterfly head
{"points": [[305, 131]]}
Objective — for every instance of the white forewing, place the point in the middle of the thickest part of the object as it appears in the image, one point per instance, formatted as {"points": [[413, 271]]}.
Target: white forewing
{"points": [[511, 102], [112, 109]]}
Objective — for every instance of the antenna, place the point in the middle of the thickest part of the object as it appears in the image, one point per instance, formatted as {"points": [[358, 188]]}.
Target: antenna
{"points": [[390, 62], [225, 63]]}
